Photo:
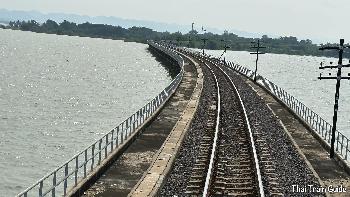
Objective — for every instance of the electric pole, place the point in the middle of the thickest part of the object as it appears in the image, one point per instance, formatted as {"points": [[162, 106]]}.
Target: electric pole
{"points": [[203, 30], [340, 49], [257, 47], [189, 36], [225, 50], [204, 41]]}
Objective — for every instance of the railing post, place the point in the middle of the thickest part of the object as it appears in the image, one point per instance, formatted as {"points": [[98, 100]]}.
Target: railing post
{"points": [[323, 128], [117, 138], [41, 189], [93, 156], [122, 127], [310, 117], [341, 145], [329, 133], [99, 152], [143, 114], [76, 171], [137, 118], [65, 179], [347, 149], [126, 128], [112, 140], [85, 162], [318, 124], [337, 141], [133, 124], [53, 192], [149, 109], [122, 135], [106, 147], [320, 131]]}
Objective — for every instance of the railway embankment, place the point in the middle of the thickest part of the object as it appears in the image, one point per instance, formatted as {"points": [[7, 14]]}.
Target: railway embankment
{"points": [[291, 160]]}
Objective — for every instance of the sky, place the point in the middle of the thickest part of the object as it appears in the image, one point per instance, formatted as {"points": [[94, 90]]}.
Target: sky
{"points": [[321, 20]]}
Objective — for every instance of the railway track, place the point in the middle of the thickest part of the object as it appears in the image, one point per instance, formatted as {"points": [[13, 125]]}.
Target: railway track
{"points": [[227, 163], [252, 155]]}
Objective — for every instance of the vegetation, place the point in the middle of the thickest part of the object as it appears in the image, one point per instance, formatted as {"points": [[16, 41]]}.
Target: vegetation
{"points": [[282, 45]]}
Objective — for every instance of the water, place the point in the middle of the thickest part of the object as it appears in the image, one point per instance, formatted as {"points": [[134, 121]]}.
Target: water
{"points": [[58, 94], [298, 76]]}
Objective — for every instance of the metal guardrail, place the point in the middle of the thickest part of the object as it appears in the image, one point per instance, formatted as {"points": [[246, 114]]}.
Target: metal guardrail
{"points": [[68, 175], [321, 127]]}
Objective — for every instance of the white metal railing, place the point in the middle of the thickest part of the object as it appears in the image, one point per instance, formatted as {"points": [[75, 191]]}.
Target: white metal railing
{"points": [[68, 175], [321, 127]]}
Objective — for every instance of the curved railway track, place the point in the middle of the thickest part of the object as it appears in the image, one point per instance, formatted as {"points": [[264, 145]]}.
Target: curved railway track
{"points": [[247, 141], [227, 163]]}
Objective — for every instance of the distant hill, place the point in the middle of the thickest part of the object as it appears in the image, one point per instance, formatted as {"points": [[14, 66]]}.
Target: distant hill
{"points": [[7, 15]]}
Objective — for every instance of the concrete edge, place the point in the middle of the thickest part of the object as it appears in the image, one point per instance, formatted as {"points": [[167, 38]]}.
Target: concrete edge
{"points": [[299, 150], [85, 183], [340, 161], [152, 180]]}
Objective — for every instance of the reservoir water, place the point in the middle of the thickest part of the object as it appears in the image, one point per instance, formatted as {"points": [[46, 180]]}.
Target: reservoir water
{"points": [[58, 94], [298, 76]]}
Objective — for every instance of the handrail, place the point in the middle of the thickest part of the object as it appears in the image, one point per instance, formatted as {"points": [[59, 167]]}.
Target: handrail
{"points": [[80, 165], [320, 127]]}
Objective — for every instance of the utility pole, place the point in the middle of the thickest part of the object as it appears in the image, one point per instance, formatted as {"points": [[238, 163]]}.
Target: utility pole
{"points": [[203, 30], [225, 50], [189, 36], [340, 49], [257, 47], [204, 41]]}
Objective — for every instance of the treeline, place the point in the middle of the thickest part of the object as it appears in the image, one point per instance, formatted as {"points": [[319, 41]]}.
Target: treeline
{"points": [[282, 45], [137, 34]]}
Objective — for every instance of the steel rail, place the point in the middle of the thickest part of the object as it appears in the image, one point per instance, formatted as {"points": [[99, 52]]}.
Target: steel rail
{"points": [[213, 150], [256, 160], [318, 125]]}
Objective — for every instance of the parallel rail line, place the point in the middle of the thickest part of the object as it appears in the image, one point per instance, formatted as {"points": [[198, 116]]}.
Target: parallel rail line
{"points": [[228, 162]]}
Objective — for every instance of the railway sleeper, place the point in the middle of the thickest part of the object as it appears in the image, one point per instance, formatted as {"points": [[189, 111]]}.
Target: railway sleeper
{"points": [[236, 175], [230, 179], [241, 189]]}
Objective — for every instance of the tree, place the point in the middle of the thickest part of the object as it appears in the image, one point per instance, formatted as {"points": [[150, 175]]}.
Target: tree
{"points": [[31, 25], [50, 26], [286, 45]]}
